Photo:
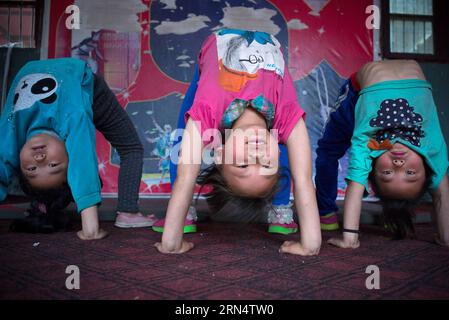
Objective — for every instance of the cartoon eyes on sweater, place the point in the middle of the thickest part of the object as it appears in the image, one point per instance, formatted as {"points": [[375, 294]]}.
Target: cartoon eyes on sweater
{"points": [[32, 88]]}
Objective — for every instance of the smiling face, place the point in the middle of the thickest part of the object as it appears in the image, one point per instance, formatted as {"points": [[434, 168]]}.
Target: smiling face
{"points": [[400, 173], [251, 155], [44, 162]]}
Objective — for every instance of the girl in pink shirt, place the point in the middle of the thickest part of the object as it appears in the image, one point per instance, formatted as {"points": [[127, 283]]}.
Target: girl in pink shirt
{"points": [[244, 106]]}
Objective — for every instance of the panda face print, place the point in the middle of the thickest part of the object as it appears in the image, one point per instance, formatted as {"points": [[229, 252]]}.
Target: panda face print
{"points": [[397, 119], [35, 87]]}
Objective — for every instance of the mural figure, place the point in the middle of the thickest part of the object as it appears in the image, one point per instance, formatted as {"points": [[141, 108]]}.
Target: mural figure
{"points": [[163, 143], [88, 51]]}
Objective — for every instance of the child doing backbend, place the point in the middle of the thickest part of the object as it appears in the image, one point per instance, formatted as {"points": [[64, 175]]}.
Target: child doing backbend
{"points": [[245, 97], [396, 143], [48, 126]]}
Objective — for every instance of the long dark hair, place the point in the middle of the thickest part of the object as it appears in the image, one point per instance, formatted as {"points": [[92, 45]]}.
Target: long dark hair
{"points": [[45, 214], [223, 201], [398, 214]]}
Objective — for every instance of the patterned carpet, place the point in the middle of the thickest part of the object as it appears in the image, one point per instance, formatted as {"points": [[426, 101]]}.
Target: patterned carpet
{"points": [[230, 261]]}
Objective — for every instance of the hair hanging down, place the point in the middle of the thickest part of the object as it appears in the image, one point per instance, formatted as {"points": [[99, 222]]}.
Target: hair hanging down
{"points": [[398, 214], [45, 214], [223, 202]]}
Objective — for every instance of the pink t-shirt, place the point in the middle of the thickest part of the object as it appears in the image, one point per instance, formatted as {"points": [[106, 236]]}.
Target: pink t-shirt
{"points": [[230, 69]]}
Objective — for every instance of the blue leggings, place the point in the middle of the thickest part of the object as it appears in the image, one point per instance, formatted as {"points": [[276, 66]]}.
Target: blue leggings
{"points": [[282, 197], [332, 146]]}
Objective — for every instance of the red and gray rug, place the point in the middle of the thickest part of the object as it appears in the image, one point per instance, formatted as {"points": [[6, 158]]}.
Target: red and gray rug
{"points": [[229, 261]]}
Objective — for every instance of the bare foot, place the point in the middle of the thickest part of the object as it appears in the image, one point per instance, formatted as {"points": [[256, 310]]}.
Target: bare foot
{"points": [[92, 236]]}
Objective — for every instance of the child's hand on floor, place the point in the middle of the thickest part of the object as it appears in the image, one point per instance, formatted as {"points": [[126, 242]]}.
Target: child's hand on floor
{"points": [[91, 228], [99, 234], [346, 242], [185, 246], [295, 247]]}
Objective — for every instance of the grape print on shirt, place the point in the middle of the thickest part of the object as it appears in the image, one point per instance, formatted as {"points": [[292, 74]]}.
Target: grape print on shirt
{"points": [[397, 119]]}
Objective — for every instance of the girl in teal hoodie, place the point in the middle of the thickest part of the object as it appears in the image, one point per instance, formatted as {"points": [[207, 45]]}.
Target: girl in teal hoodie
{"points": [[48, 138]]}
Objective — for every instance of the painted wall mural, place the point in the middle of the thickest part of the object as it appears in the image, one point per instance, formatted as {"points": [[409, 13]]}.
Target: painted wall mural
{"points": [[147, 52]]}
